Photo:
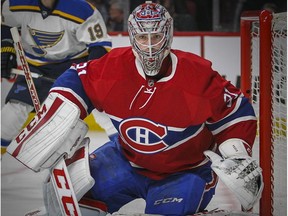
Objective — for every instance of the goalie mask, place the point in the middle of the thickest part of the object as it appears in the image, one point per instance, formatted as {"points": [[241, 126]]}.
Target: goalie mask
{"points": [[150, 28]]}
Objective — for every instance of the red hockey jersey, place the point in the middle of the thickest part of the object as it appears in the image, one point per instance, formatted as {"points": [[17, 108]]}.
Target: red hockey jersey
{"points": [[164, 126]]}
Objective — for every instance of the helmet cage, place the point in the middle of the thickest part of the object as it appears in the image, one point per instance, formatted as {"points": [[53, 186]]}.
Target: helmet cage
{"points": [[150, 19]]}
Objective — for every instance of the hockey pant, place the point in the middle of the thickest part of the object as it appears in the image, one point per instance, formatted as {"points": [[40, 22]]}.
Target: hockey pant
{"points": [[117, 183]]}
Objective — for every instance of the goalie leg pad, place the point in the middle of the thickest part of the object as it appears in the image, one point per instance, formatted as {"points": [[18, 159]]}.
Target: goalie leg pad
{"points": [[91, 207], [55, 130], [79, 172]]}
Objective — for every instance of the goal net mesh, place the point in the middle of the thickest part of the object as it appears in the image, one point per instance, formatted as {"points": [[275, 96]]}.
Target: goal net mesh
{"points": [[278, 93]]}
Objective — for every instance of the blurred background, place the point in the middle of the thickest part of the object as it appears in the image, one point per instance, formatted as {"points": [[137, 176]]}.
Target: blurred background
{"points": [[189, 15]]}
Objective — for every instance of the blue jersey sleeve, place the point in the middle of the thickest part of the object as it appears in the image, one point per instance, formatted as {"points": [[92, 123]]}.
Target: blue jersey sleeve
{"points": [[70, 82]]}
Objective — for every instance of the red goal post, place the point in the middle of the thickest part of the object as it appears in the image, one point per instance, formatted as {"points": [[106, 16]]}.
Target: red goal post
{"points": [[264, 81]]}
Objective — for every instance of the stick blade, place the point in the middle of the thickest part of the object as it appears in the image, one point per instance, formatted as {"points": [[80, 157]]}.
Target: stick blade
{"points": [[15, 34]]}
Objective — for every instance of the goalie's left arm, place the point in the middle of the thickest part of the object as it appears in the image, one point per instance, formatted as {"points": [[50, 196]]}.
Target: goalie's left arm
{"points": [[233, 124], [238, 171]]}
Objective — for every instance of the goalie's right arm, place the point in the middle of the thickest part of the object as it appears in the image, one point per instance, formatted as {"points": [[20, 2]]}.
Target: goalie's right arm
{"points": [[55, 130]]}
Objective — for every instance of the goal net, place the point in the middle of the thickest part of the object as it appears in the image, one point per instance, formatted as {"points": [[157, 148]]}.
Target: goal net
{"points": [[264, 81]]}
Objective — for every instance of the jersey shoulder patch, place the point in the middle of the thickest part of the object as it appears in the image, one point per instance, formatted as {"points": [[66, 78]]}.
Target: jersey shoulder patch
{"points": [[76, 11]]}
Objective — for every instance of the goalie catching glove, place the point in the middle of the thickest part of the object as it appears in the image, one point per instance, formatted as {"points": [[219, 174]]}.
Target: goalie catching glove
{"points": [[238, 171]]}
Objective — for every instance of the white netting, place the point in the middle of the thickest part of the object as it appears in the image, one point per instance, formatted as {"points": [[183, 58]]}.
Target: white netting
{"points": [[279, 105]]}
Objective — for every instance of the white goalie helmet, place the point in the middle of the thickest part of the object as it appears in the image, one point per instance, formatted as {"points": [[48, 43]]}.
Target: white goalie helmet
{"points": [[150, 28]]}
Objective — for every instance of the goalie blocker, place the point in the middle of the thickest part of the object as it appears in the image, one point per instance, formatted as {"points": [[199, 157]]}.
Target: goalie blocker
{"points": [[56, 130]]}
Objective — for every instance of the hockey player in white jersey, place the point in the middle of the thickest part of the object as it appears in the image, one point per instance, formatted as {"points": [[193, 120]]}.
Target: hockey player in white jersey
{"points": [[54, 34]]}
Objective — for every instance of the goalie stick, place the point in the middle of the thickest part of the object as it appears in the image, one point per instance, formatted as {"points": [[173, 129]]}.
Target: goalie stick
{"points": [[59, 174], [24, 64]]}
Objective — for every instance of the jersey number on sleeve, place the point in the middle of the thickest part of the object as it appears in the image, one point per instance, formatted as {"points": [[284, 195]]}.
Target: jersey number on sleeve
{"points": [[95, 32]]}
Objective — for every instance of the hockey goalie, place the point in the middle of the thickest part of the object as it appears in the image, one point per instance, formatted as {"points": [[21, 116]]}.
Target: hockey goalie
{"points": [[180, 126]]}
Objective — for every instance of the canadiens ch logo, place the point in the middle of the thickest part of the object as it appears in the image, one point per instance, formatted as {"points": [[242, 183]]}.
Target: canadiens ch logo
{"points": [[143, 135]]}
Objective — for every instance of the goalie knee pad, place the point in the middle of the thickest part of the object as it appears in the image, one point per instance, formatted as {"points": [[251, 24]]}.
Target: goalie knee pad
{"points": [[54, 131]]}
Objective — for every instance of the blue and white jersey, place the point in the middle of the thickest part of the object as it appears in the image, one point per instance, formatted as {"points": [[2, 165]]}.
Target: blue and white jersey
{"points": [[57, 35]]}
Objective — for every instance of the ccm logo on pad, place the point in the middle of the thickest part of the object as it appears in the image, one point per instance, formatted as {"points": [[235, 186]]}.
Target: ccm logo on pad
{"points": [[69, 202]]}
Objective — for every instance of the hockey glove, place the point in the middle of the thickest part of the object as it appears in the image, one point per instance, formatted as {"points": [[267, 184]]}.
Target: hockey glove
{"points": [[240, 173], [8, 58]]}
